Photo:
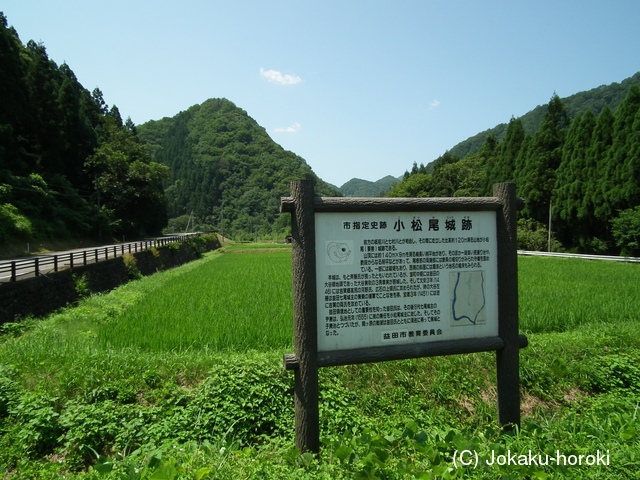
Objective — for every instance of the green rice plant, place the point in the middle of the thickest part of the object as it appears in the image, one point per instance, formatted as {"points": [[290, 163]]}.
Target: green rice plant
{"points": [[60, 354], [560, 294], [147, 373], [228, 303], [256, 248]]}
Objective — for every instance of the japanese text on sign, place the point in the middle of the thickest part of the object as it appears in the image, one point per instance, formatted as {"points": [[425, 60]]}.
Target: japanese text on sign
{"points": [[394, 278]]}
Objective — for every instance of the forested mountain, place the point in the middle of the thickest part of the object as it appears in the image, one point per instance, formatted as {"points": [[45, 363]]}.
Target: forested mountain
{"points": [[69, 167], [357, 187], [225, 170], [595, 100], [585, 170]]}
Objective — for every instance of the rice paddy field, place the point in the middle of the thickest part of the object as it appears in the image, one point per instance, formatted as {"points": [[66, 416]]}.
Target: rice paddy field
{"points": [[179, 376]]}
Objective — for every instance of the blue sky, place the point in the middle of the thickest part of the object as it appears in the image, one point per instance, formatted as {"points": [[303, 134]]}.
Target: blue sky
{"points": [[357, 88]]}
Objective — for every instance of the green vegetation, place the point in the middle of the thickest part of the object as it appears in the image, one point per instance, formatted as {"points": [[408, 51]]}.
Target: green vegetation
{"points": [[596, 100], [626, 231], [225, 170], [604, 287], [69, 166], [357, 187], [179, 375], [223, 309], [584, 168]]}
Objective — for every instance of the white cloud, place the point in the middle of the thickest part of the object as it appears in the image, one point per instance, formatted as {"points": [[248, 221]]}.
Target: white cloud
{"points": [[278, 78], [434, 104], [292, 129]]}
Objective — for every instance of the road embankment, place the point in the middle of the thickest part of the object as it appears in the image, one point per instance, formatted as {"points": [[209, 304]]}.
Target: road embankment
{"points": [[41, 295]]}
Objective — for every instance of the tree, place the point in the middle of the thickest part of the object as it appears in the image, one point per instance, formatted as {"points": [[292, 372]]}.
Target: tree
{"points": [[626, 231], [594, 206], [618, 182], [464, 178], [571, 180], [543, 159], [632, 163], [450, 178], [14, 99], [98, 99], [489, 152], [509, 150], [129, 185], [49, 126], [417, 185]]}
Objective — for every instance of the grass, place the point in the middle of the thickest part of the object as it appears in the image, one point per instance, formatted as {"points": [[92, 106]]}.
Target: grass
{"points": [[179, 375], [219, 306], [177, 324], [559, 294]]}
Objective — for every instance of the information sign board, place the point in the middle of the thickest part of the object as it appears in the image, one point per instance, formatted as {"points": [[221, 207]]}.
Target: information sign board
{"points": [[391, 279], [404, 278]]}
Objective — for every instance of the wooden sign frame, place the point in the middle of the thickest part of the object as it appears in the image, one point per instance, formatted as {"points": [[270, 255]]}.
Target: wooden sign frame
{"points": [[306, 359]]}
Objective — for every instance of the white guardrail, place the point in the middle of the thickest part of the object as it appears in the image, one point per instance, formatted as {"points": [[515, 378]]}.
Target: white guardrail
{"points": [[582, 256]]}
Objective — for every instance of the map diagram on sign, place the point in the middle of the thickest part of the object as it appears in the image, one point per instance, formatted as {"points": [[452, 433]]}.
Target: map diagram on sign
{"points": [[339, 252], [467, 298]]}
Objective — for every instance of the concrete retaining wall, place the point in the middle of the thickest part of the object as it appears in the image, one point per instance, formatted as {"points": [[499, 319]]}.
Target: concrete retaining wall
{"points": [[42, 295]]}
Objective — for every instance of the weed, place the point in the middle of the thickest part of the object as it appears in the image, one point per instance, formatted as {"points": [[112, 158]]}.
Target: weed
{"points": [[38, 420], [9, 392], [177, 376], [617, 372], [12, 329], [131, 266], [81, 283]]}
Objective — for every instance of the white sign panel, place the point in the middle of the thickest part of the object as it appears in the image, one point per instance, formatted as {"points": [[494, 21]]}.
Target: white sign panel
{"points": [[402, 278]]}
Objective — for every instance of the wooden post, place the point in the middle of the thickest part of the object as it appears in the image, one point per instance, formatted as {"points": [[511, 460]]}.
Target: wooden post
{"points": [[507, 358], [305, 361], [304, 317]]}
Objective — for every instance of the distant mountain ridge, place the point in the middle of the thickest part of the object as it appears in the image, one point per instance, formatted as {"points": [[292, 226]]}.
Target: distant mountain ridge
{"points": [[356, 187], [579, 176], [594, 99]]}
